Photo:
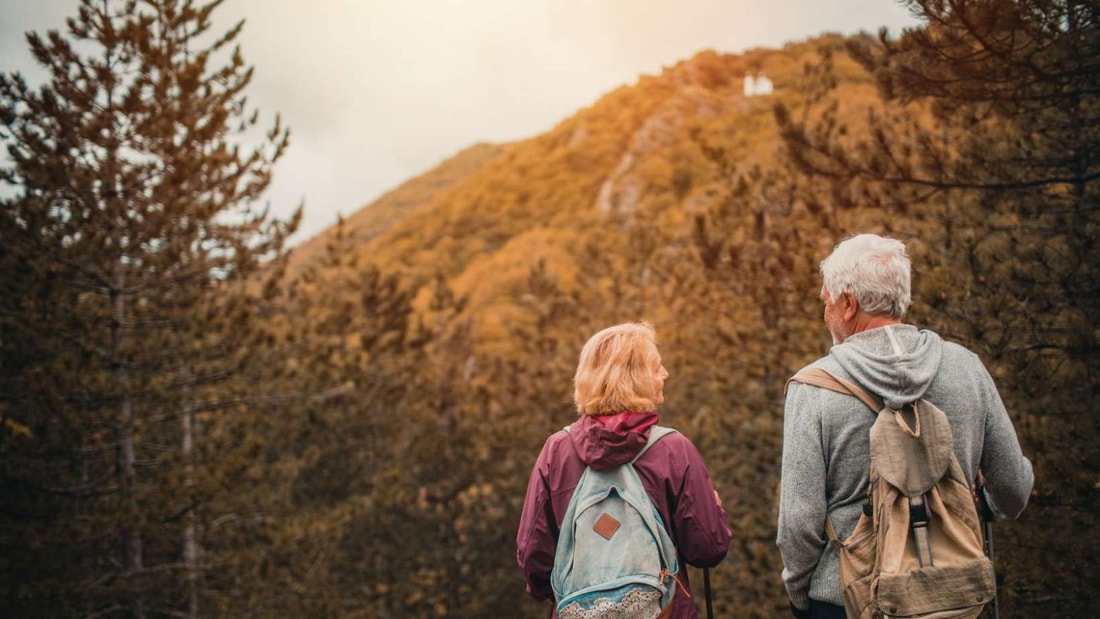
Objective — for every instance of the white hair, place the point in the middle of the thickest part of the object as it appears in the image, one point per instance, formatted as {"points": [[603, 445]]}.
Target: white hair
{"points": [[873, 268]]}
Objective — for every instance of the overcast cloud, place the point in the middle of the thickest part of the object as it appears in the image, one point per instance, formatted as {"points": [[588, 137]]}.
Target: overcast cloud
{"points": [[378, 91]]}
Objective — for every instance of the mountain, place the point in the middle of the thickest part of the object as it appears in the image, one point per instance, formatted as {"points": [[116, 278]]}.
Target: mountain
{"points": [[371, 221], [485, 217], [667, 200]]}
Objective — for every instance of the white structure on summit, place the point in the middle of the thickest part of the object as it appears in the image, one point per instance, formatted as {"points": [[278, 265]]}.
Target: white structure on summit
{"points": [[758, 85]]}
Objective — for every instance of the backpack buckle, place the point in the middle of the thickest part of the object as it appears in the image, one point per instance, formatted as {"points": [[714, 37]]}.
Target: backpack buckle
{"points": [[919, 517]]}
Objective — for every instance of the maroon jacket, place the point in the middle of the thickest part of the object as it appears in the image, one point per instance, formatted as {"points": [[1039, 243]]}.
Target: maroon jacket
{"points": [[674, 476]]}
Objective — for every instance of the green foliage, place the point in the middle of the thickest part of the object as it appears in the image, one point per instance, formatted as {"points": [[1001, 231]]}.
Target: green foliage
{"points": [[132, 233]]}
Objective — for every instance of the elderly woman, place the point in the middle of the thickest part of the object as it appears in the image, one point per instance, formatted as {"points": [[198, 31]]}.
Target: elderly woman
{"points": [[618, 384]]}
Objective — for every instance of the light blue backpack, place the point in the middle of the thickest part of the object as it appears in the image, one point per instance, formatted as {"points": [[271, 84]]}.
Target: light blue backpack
{"points": [[614, 558]]}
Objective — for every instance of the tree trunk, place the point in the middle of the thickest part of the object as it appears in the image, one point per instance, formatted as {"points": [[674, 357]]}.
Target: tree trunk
{"points": [[190, 540], [131, 537]]}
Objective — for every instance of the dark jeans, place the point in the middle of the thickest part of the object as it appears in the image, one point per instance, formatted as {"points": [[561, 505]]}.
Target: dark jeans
{"points": [[821, 610]]}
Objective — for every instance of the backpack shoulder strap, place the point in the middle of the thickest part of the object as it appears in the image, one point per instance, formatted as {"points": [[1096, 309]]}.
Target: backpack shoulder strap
{"points": [[819, 377], [656, 433]]}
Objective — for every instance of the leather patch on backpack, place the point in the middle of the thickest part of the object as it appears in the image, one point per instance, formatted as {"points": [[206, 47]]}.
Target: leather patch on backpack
{"points": [[606, 525]]}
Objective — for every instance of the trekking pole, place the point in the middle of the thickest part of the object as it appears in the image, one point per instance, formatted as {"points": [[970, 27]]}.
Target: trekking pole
{"points": [[987, 530], [706, 591]]}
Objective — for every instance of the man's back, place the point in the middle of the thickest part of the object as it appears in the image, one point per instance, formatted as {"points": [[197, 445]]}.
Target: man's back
{"points": [[826, 438], [902, 364], [866, 289]]}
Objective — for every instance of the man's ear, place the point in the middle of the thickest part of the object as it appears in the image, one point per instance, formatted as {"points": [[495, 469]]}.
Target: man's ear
{"points": [[850, 307]]}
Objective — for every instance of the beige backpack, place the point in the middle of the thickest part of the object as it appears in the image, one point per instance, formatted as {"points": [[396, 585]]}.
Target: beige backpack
{"points": [[917, 549]]}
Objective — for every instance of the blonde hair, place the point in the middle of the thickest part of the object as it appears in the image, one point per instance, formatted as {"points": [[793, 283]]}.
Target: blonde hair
{"points": [[615, 372]]}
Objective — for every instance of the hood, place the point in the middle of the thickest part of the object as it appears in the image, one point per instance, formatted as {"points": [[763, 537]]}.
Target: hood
{"points": [[896, 362], [604, 441]]}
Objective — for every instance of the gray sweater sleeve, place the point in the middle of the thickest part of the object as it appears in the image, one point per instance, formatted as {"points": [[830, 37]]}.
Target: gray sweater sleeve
{"points": [[985, 438], [802, 503], [1008, 474]]}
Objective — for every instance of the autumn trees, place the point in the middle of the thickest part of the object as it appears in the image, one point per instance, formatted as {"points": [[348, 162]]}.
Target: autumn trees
{"points": [[129, 236], [185, 431]]}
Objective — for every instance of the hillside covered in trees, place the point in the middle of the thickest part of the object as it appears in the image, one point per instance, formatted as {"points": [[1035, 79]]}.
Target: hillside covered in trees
{"points": [[195, 421]]}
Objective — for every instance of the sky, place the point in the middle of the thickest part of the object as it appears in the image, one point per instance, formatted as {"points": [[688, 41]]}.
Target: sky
{"points": [[376, 92]]}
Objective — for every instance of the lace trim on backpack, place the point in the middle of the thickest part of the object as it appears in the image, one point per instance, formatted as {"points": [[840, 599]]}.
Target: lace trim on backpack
{"points": [[641, 603]]}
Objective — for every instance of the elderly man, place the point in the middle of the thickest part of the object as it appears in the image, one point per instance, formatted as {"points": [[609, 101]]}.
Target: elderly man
{"points": [[866, 291]]}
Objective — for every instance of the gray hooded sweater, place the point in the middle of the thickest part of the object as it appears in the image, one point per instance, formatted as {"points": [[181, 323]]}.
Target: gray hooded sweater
{"points": [[826, 451]]}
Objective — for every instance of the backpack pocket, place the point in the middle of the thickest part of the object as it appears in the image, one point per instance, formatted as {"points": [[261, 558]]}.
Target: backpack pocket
{"points": [[949, 591], [633, 601], [857, 562]]}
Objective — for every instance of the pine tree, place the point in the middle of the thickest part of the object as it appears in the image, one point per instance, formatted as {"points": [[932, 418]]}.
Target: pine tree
{"points": [[135, 215]]}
